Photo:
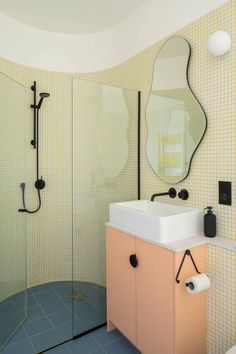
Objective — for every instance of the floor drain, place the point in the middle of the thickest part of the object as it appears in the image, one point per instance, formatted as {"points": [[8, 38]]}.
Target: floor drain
{"points": [[78, 296]]}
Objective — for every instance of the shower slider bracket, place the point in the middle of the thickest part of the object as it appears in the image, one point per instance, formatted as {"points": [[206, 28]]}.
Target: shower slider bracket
{"points": [[36, 107]]}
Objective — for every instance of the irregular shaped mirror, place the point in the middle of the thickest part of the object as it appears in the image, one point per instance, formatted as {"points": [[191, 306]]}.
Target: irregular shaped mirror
{"points": [[175, 119]]}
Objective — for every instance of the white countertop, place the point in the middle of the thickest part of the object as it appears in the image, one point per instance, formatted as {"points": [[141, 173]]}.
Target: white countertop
{"points": [[187, 243]]}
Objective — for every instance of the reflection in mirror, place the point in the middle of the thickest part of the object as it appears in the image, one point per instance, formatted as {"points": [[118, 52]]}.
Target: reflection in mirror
{"points": [[175, 119]]}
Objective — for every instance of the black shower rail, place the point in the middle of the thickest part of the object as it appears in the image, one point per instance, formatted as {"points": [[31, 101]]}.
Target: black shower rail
{"points": [[39, 183]]}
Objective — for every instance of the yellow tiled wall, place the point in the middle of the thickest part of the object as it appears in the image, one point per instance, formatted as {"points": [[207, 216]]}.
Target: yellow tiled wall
{"points": [[213, 81]]}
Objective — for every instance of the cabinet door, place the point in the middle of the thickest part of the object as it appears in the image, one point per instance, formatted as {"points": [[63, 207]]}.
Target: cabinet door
{"points": [[121, 303], [155, 312], [190, 310]]}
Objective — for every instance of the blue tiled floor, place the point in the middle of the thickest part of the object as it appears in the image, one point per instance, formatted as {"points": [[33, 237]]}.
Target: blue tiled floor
{"points": [[97, 342], [50, 320]]}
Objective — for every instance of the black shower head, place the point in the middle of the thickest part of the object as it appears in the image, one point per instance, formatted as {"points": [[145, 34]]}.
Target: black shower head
{"points": [[42, 96]]}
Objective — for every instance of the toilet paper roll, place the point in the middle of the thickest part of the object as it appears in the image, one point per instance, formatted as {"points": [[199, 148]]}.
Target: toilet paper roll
{"points": [[197, 283]]}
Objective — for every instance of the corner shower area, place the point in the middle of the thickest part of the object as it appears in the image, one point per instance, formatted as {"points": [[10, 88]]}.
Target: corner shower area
{"points": [[57, 296]]}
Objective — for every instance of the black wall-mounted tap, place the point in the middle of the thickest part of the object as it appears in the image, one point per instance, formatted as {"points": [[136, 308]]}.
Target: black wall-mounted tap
{"points": [[183, 194], [171, 193]]}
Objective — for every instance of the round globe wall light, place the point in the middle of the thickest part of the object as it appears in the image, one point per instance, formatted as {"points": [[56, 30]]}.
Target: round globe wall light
{"points": [[219, 43]]}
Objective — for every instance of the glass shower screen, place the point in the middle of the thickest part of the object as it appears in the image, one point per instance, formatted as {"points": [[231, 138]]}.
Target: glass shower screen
{"points": [[13, 145], [105, 170]]}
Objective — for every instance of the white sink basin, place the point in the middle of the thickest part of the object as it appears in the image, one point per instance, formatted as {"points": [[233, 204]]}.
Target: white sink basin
{"points": [[160, 222]]}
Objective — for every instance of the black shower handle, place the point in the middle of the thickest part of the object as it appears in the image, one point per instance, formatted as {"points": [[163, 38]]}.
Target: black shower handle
{"points": [[133, 260]]}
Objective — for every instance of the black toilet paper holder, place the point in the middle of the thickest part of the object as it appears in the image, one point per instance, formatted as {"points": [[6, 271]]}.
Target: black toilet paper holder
{"points": [[186, 253]]}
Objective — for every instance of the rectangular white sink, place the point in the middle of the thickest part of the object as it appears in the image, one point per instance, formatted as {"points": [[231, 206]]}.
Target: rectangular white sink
{"points": [[157, 221]]}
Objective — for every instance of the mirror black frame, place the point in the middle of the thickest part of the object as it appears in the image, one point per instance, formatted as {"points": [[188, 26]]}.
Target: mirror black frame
{"points": [[191, 90]]}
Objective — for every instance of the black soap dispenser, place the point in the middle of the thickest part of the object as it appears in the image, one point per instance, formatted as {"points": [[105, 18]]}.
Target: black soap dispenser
{"points": [[209, 223]]}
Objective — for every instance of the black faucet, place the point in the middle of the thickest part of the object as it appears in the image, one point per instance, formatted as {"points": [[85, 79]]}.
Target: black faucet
{"points": [[171, 193]]}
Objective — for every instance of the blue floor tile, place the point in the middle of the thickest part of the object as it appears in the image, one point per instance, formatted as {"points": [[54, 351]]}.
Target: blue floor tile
{"points": [[24, 347], [40, 288], [19, 305], [59, 284], [98, 351], [11, 323], [64, 332], [100, 306], [90, 320], [31, 302], [37, 326], [103, 290], [68, 302], [64, 291], [45, 297], [6, 308], [35, 313], [53, 306], [60, 317], [83, 345], [82, 308], [78, 326], [103, 337], [44, 341], [19, 295], [94, 293], [119, 346]]}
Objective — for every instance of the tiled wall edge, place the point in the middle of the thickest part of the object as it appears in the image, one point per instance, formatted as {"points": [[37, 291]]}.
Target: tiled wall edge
{"points": [[222, 242]]}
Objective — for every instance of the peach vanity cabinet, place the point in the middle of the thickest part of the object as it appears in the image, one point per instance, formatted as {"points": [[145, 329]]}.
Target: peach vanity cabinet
{"points": [[146, 304]]}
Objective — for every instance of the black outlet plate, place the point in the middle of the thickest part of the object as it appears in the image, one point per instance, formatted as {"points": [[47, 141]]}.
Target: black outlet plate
{"points": [[225, 193]]}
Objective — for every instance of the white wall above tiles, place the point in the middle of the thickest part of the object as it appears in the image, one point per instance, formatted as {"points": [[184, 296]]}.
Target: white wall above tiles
{"points": [[92, 52]]}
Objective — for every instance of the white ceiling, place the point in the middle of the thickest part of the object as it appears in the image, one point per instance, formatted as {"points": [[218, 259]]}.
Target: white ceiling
{"points": [[70, 16]]}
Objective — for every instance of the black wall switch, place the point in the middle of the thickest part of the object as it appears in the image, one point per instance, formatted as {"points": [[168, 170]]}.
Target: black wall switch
{"points": [[225, 194]]}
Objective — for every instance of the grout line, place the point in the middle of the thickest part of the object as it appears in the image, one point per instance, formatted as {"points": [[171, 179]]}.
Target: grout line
{"points": [[10, 344], [95, 339], [27, 337], [113, 341], [103, 345]]}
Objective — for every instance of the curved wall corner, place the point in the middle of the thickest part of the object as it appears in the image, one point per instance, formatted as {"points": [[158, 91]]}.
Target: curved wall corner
{"points": [[73, 53]]}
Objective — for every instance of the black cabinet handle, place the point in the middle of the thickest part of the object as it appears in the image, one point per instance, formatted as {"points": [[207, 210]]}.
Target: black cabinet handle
{"points": [[133, 260]]}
